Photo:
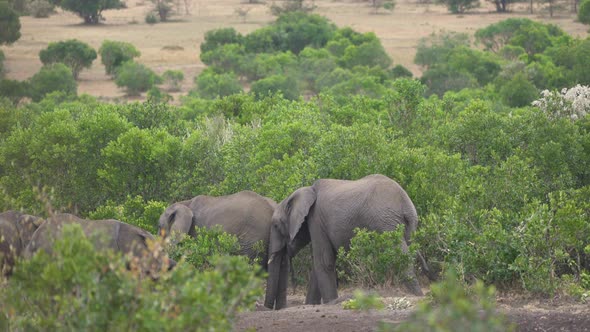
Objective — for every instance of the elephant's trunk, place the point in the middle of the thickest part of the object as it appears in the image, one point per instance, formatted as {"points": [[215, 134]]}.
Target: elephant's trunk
{"points": [[278, 276]]}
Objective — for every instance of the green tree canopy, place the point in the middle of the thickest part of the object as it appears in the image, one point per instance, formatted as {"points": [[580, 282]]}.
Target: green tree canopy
{"points": [[9, 24], [89, 10], [73, 53]]}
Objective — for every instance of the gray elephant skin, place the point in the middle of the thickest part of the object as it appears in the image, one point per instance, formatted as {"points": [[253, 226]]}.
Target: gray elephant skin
{"points": [[108, 233], [245, 214], [325, 215], [16, 230]]}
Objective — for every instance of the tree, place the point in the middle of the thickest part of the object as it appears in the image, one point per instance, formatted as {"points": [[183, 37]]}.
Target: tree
{"points": [[55, 77], [163, 8], [73, 53], [136, 77], [9, 24], [89, 10], [114, 53], [584, 12], [460, 6]]}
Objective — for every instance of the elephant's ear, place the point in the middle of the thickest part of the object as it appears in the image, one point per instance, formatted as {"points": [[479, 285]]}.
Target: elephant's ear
{"points": [[298, 206], [181, 219]]}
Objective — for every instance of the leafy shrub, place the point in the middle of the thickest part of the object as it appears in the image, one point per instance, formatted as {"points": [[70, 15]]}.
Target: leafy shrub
{"points": [[73, 53], [211, 84], [374, 258], [114, 53], [13, 90], [584, 12], [56, 77], [218, 37], [135, 211], [136, 78], [173, 78], [455, 308], [518, 91], [80, 288], [151, 18], [460, 6], [9, 24], [200, 251], [276, 83], [363, 301], [41, 8]]}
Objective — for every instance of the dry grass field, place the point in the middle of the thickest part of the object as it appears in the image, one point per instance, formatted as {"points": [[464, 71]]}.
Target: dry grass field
{"points": [[175, 45]]}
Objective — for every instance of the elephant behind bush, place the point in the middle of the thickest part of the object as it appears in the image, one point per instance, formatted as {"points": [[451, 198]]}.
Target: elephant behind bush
{"points": [[16, 230], [245, 214], [105, 234]]}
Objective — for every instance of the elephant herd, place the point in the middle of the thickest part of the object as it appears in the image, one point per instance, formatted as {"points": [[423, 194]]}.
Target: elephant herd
{"points": [[323, 215]]}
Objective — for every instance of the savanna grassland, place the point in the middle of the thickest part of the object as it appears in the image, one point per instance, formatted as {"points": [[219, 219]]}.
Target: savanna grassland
{"points": [[175, 45]]}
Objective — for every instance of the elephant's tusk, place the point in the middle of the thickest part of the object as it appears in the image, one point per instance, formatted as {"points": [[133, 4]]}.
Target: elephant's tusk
{"points": [[270, 260]]}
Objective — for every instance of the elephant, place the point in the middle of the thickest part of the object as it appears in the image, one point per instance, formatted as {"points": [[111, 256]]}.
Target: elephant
{"points": [[325, 214], [105, 234], [245, 214], [16, 230]]}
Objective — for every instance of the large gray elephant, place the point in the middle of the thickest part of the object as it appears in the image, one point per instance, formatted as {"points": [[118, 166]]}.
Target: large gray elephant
{"points": [[16, 230], [326, 215], [244, 214], [105, 234]]}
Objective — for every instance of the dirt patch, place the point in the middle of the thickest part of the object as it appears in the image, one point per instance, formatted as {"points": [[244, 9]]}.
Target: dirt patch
{"points": [[527, 315], [175, 45]]}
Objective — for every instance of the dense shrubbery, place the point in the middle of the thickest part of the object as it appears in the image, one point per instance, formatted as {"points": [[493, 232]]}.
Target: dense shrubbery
{"points": [[374, 259], [52, 78], [136, 78], [114, 53], [501, 191], [80, 288]]}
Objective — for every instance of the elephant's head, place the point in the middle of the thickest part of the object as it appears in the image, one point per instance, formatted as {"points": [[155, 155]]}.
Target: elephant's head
{"points": [[287, 237], [177, 218]]}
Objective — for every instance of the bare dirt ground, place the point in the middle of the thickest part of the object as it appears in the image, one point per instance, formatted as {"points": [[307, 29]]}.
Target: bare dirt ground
{"points": [[526, 315], [175, 45]]}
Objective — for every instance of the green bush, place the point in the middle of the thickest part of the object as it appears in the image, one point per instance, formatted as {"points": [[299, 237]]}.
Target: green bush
{"points": [[200, 251], [56, 77], [456, 308], [9, 24], [374, 258], [41, 8], [584, 12], [135, 211], [114, 53], [79, 288], [218, 37], [13, 90], [173, 78], [211, 84], [151, 18], [276, 83], [518, 91], [73, 53], [136, 78]]}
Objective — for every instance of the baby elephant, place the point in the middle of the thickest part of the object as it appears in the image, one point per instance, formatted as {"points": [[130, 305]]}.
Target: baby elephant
{"points": [[16, 230], [108, 233]]}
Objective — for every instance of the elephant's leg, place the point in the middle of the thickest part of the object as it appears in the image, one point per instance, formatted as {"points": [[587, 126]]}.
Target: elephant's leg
{"points": [[411, 280], [281, 301], [324, 269], [313, 291]]}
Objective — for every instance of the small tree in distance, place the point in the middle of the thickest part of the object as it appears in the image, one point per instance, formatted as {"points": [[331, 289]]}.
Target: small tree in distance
{"points": [[584, 12], [9, 24], [114, 53], [55, 77], [136, 77], [89, 10], [459, 6], [73, 53]]}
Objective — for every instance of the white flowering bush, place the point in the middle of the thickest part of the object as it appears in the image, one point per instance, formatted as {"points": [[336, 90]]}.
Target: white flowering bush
{"points": [[573, 103]]}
